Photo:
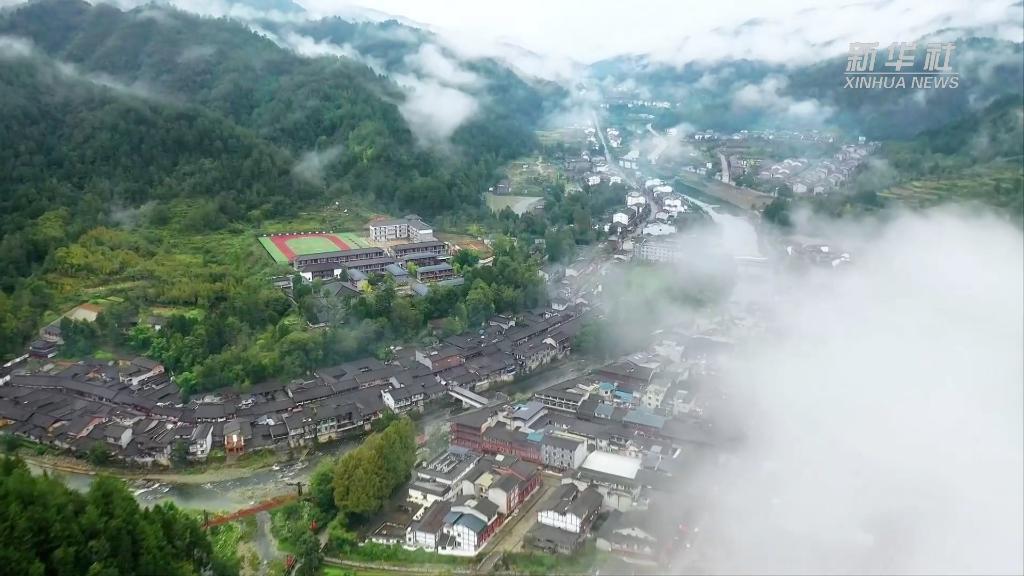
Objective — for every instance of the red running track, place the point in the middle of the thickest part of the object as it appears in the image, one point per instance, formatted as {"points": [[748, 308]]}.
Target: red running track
{"points": [[282, 243]]}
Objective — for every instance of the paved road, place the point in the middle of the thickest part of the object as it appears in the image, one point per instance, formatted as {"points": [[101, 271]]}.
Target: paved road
{"points": [[604, 145], [661, 143], [266, 544], [510, 537]]}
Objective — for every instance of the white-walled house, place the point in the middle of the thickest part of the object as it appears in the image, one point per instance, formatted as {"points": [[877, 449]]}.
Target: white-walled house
{"points": [[571, 509], [201, 442], [673, 204], [635, 198]]}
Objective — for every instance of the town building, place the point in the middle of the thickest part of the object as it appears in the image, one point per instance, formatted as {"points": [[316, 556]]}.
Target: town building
{"points": [[468, 525], [338, 256], [648, 250], [635, 198], [427, 531], [433, 247], [562, 452], [411, 228], [435, 273], [571, 509], [403, 399]]}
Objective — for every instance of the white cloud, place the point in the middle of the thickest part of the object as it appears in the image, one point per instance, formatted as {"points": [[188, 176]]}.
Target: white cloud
{"points": [[767, 96], [434, 111], [431, 62], [12, 47], [311, 47], [880, 419], [786, 31], [311, 166]]}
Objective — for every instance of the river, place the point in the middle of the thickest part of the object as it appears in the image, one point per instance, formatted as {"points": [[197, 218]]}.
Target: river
{"points": [[233, 494], [738, 235], [219, 495]]}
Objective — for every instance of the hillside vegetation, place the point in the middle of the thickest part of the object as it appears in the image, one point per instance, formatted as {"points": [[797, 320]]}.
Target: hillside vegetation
{"points": [[146, 147]]}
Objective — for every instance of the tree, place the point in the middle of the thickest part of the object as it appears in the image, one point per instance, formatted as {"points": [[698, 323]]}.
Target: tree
{"points": [[405, 318], [300, 289], [321, 490], [465, 258], [179, 453], [777, 212], [98, 454], [479, 302], [11, 443], [102, 531], [309, 554], [558, 244], [590, 340], [79, 336], [367, 476], [359, 486]]}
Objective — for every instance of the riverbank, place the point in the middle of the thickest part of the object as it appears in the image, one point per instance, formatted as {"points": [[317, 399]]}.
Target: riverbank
{"points": [[205, 475]]}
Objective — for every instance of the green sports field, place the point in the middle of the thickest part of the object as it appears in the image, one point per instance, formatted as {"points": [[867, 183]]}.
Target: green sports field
{"points": [[283, 248]]}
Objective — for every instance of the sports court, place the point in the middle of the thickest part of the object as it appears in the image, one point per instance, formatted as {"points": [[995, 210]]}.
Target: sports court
{"points": [[285, 247]]}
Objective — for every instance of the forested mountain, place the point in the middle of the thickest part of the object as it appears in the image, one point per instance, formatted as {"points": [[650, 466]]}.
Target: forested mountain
{"points": [[510, 106], [49, 529], [87, 148], [976, 158], [297, 103], [732, 95], [181, 126], [988, 69]]}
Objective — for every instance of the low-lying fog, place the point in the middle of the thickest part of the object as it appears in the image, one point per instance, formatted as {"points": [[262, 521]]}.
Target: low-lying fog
{"points": [[882, 415]]}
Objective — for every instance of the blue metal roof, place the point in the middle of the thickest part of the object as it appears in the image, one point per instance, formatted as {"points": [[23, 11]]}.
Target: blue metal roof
{"points": [[644, 418], [472, 522]]}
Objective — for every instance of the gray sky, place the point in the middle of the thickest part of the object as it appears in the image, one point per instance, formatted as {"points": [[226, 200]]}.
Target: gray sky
{"points": [[779, 30]]}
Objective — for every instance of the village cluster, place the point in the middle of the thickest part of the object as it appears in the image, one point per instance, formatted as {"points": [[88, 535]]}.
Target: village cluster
{"points": [[592, 450], [134, 408], [822, 174], [588, 457]]}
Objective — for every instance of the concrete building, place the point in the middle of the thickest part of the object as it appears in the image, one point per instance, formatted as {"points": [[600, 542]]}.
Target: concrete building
{"points": [[338, 256], [201, 441], [615, 475], [563, 452], [673, 203], [410, 227], [658, 229], [648, 250], [435, 273], [635, 198], [435, 247]]}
